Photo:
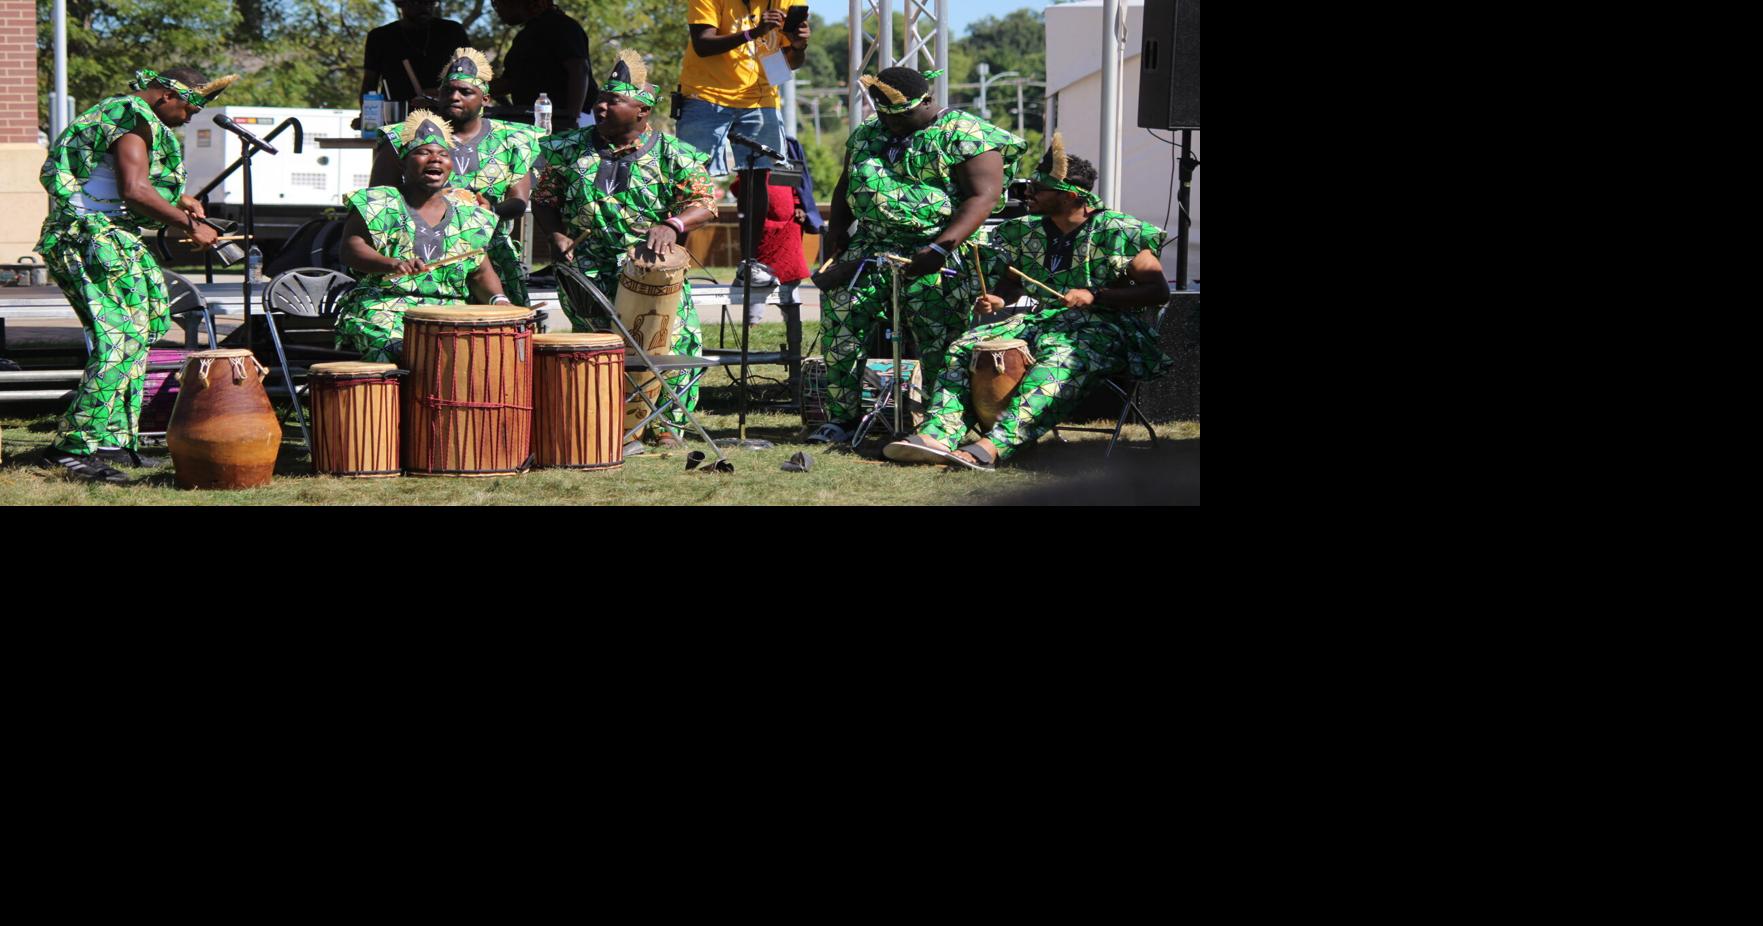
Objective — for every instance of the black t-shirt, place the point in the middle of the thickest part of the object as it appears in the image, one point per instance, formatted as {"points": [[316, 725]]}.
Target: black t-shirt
{"points": [[535, 60], [428, 49]]}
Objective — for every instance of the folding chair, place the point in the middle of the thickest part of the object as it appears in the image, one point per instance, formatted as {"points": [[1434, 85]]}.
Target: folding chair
{"points": [[1127, 389], [585, 296], [310, 293]]}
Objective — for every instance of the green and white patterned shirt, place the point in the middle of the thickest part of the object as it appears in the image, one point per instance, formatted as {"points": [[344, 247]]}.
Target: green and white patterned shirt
{"points": [[656, 177], [902, 190], [392, 232], [81, 175]]}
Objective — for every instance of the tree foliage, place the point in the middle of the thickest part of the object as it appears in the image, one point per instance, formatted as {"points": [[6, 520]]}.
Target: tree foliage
{"points": [[308, 53]]}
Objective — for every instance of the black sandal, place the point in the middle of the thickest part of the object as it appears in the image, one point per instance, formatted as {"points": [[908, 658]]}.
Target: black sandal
{"points": [[87, 468]]}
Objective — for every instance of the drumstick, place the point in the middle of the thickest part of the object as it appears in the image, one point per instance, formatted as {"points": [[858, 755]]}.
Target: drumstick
{"points": [[946, 271], [1037, 283], [415, 84], [829, 263], [449, 260], [979, 270]]}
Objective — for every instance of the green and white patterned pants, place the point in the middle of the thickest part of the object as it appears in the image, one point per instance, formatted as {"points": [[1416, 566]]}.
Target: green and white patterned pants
{"points": [[933, 306], [118, 292], [1073, 350]]}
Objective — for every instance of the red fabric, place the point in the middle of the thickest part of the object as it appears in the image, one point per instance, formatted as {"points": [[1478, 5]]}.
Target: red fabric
{"points": [[780, 241]]}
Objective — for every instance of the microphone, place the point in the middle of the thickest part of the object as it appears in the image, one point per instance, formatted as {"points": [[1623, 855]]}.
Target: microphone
{"points": [[224, 122], [769, 152]]}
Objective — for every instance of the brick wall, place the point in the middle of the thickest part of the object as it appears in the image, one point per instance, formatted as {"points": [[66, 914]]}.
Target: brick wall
{"points": [[18, 71]]}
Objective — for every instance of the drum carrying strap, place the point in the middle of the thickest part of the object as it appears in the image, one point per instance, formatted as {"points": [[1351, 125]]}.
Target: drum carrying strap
{"points": [[997, 358]]}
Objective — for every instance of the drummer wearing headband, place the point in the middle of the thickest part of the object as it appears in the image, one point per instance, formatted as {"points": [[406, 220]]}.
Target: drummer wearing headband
{"points": [[491, 159], [116, 171], [1105, 263], [616, 185], [394, 232], [919, 179]]}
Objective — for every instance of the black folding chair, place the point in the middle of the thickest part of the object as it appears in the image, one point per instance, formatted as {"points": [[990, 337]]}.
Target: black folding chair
{"points": [[1127, 389], [586, 298], [310, 294]]}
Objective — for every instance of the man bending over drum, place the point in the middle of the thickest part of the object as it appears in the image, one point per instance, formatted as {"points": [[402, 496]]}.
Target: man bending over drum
{"points": [[395, 232], [1105, 263], [116, 171], [919, 179], [617, 184], [490, 159]]}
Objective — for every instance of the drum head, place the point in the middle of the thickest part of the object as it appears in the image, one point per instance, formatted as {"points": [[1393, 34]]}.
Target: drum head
{"points": [[668, 264], [468, 314], [1002, 344], [351, 368], [225, 354], [576, 340]]}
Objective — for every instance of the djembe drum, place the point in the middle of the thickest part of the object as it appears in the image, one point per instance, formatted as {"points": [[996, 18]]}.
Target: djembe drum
{"points": [[998, 367], [223, 433], [355, 418], [648, 303], [578, 399], [468, 400]]}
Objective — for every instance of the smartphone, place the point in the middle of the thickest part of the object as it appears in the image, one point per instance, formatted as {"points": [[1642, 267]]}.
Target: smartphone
{"points": [[795, 17]]}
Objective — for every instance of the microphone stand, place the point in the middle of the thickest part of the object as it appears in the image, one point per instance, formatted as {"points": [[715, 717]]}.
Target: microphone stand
{"points": [[751, 219]]}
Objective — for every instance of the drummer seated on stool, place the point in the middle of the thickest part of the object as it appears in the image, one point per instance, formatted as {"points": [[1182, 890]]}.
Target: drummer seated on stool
{"points": [[1106, 265], [394, 233]]}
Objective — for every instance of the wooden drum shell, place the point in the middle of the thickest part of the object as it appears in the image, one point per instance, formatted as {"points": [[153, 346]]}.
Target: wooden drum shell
{"points": [[355, 419], [468, 399], [578, 416]]}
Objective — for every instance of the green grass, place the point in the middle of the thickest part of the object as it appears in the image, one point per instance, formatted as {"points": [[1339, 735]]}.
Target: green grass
{"points": [[655, 478]]}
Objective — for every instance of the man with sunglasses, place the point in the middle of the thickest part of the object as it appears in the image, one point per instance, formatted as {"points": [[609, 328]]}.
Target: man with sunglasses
{"points": [[115, 172], [1106, 265]]}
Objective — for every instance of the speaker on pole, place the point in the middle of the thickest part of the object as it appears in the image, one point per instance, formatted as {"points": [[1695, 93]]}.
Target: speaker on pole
{"points": [[1169, 65]]}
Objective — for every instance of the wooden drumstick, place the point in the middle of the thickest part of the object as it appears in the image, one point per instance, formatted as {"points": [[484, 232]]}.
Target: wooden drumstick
{"points": [[979, 270], [415, 84], [450, 260], [1037, 283]]}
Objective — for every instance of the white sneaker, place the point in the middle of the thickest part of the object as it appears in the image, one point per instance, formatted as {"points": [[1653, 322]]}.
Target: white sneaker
{"points": [[829, 433]]}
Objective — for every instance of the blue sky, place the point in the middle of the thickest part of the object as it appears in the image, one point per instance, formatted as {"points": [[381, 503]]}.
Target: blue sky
{"points": [[964, 12]]}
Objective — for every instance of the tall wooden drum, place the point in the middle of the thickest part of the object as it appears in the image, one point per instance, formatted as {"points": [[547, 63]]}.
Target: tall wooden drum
{"points": [[998, 367], [355, 419], [578, 402], [648, 302], [468, 400], [223, 433]]}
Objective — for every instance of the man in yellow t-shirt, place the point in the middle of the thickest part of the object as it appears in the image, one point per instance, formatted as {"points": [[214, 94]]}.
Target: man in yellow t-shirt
{"points": [[724, 76]]}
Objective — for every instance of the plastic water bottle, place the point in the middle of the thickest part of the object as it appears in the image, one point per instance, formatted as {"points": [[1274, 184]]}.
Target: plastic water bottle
{"points": [[542, 112], [370, 114], [254, 265]]}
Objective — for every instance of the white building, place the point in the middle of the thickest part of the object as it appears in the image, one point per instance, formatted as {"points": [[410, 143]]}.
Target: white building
{"points": [[1074, 88]]}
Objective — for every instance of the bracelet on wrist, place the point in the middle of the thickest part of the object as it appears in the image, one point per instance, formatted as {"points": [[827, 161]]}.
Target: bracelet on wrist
{"points": [[674, 223], [938, 248], [501, 299]]}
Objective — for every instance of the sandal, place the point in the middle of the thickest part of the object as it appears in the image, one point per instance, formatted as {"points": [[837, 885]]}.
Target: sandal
{"points": [[917, 449], [984, 460]]}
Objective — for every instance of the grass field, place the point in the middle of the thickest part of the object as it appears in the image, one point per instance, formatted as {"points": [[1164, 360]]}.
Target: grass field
{"points": [[655, 478]]}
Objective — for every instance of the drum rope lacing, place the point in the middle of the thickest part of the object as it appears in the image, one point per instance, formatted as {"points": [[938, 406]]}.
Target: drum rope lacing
{"points": [[238, 364], [997, 357]]}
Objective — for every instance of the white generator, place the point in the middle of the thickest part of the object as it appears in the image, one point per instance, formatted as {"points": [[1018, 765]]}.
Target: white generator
{"points": [[288, 189]]}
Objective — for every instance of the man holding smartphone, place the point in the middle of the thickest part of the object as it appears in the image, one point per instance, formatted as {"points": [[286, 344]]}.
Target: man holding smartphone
{"points": [[739, 51]]}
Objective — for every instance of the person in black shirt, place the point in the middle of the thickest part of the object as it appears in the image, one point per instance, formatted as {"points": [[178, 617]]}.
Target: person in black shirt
{"points": [[549, 56], [417, 37]]}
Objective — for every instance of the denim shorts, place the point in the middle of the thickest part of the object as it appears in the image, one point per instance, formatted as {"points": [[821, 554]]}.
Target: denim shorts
{"points": [[705, 126]]}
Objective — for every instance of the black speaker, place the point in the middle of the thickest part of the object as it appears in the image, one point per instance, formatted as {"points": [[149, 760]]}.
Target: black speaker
{"points": [[1169, 65]]}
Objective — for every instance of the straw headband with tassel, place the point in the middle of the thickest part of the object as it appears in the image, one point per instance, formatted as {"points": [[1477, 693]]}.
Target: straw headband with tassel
{"points": [[630, 77], [1050, 173], [889, 100], [199, 96], [469, 66]]}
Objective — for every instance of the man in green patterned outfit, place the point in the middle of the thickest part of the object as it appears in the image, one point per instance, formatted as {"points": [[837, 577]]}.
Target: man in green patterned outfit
{"points": [[116, 171], [1105, 263], [617, 184], [394, 232], [491, 159], [919, 180]]}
